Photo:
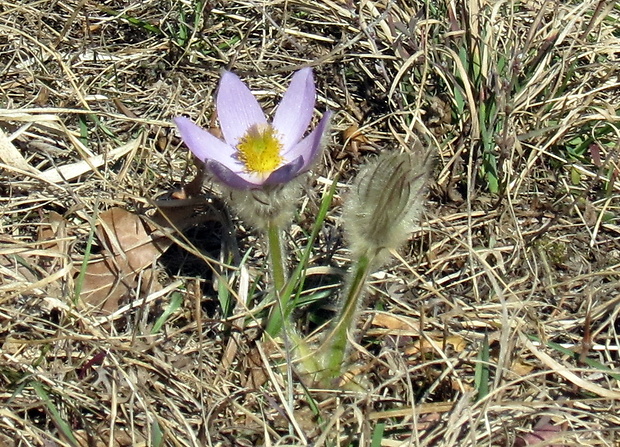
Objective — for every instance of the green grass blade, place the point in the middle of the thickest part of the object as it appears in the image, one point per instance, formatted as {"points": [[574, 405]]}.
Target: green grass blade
{"points": [[481, 375], [298, 276], [175, 303], [83, 130], [133, 21], [157, 433], [60, 423], [79, 282], [576, 356], [377, 435]]}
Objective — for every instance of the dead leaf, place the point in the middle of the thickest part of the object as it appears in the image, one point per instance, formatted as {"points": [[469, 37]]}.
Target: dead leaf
{"points": [[406, 326], [256, 376], [129, 248], [5, 441], [543, 431], [121, 438], [129, 245], [397, 323], [354, 142], [520, 368], [418, 346], [27, 268], [51, 230], [124, 109]]}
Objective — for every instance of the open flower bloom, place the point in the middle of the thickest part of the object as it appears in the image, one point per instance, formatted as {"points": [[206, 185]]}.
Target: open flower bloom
{"points": [[255, 153]]}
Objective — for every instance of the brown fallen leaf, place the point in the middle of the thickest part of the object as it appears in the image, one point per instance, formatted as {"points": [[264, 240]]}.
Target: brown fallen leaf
{"points": [[52, 233], [120, 438], [5, 441], [397, 323], [130, 246], [256, 376], [544, 431], [354, 142], [403, 325]]}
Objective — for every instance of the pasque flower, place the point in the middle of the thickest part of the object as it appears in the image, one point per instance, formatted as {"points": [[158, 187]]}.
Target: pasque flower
{"points": [[256, 153]]}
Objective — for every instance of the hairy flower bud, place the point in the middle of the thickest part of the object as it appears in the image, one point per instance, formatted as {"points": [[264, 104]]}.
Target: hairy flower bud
{"points": [[271, 205], [385, 201]]}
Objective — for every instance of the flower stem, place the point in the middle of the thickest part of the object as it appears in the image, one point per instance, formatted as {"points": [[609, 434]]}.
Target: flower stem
{"points": [[278, 270], [287, 292], [335, 344], [276, 255]]}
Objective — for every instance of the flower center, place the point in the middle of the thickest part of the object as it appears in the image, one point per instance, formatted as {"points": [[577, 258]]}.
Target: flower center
{"points": [[259, 149]]}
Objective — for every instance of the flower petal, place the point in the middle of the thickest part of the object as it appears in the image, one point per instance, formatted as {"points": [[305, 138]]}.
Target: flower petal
{"points": [[294, 113], [310, 147], [230, 178], [285, 173], [237, 108], [204, 145]]}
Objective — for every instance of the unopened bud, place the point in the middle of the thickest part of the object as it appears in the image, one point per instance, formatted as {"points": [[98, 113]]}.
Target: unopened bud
{"points": [[385, 202]]}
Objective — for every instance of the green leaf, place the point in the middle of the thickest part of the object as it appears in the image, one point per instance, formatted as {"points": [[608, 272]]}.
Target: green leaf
{"points": [[83, 130], [157, 434], [224, 296], [575, 176], [377, 435], [134, 21], [175, 303], [60, 423], [79, 282], [577, 356], [492, 182], [481, 376]]}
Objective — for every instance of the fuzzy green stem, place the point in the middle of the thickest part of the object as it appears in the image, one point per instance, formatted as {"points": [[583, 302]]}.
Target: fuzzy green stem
{"points": [[335, 344], [276, 256], [274, 324], [278, 270]]}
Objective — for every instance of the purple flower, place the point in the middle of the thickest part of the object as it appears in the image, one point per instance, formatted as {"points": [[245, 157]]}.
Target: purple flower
{"points": [[256, 153]]}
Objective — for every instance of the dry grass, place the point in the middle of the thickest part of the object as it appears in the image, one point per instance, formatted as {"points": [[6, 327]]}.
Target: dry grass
{"points": [[520, 245]]}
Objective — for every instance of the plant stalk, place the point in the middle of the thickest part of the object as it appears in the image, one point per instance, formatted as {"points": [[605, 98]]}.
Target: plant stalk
{"points": [[278, 270], [335, 344]]}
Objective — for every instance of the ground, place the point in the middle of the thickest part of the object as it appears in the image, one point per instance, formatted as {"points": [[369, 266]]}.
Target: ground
{"points": [[133, 296]]}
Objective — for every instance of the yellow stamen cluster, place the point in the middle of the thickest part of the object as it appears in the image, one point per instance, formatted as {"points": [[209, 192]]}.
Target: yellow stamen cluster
{"points": [[259, 149]]}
